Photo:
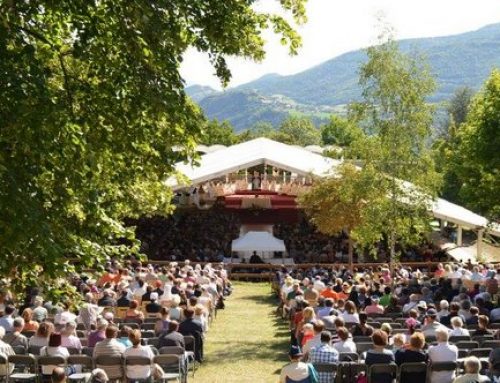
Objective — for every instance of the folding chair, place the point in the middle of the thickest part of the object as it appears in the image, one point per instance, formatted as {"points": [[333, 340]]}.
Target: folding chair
{"points": [[111, 364], [74, 350], [28, 334], [329, 368], [190, 344], [348, 357], [382, 369], [442, 366], [348, 371], [177, 350], [4, 361], [413, 368], [148, 334], [148, 326], [49, 363], [363, 347], [152, 341], [459, 338], [131, 361], [490, 344], [35, 350], [87, 364], [19, 349], [25, 368], [89, 351], [361, 339], [172, 367], [480, 352]]}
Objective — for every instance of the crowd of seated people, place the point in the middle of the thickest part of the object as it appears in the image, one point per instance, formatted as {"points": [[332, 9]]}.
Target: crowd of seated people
{"points": [[207, 235], [307, 245], [372, 323], [129, 311]]}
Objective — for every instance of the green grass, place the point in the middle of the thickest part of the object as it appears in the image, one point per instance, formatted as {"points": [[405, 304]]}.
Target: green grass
{"points": [[247, 342]]}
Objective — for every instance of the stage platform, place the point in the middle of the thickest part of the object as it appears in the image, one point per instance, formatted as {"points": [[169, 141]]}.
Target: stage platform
{"points": [[269, 261]]}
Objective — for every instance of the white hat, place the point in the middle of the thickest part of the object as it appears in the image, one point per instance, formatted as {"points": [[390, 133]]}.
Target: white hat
{"points": [[153, 296], [422, 304]]}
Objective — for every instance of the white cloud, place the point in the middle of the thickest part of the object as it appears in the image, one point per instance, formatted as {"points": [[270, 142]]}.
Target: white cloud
{"points": [[336, 27]]}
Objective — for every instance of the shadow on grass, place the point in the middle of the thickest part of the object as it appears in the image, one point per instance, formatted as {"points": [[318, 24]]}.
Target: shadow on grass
{"points": [[274, 351], [266, 299]]}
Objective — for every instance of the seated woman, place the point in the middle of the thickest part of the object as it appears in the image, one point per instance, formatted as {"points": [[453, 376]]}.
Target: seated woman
{"points": [[134, 312], [362, 329], [414, 353], [380, 355], [41, 338], [53, 349], [483, 322], [161, 325], [136, 372], [458, 330], [29, 323]]}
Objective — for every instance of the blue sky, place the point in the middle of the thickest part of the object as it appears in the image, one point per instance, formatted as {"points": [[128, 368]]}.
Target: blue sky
{"points": [[339, 26]]}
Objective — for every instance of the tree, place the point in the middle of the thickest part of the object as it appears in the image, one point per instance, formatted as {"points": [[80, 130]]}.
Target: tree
{"points": [[475, 158], [298, 131], [340, 131], [395, 112], [216, 132], [260, 129], [396, 160], [91, 106], [340, 203], [444, 146]]}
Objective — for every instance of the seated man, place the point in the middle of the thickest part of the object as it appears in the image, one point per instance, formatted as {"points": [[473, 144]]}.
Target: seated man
{"points": [[172, 337], [110, 347], [324, 353], [442, 352], [190, 326], [472, 367]]}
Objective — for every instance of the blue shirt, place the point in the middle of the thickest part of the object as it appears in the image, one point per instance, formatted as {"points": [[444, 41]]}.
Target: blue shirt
{"points": [[324, 353]]}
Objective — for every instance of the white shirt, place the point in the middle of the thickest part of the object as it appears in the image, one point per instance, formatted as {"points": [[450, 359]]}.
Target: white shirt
{"points": [[139, 372], [468, 378], [313, 342], [295, 371], [349, 318], [459, 331], [345, 346], [443, 352]]}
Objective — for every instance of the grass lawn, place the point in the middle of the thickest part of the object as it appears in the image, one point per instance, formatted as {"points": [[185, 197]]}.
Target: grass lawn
{"points": [[247, 342]]}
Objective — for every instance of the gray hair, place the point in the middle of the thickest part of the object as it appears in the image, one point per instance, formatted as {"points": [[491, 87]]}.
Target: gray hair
{"points": [[442, 335], [472, 365]]}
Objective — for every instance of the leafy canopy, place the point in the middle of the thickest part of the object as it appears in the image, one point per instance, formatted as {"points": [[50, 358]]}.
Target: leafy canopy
{"points": [[91, 106], [397, 178]]}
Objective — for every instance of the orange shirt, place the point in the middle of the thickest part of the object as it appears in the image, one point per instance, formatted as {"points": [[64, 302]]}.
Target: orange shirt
{"points": [[329, 294]]}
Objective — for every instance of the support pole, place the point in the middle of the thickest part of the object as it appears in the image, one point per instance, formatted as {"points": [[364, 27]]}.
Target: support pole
{"points": [[479, 244], [459, 235]]}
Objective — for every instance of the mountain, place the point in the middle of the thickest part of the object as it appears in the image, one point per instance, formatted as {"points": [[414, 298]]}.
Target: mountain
{"points": [[459, 60], [199, 92]]}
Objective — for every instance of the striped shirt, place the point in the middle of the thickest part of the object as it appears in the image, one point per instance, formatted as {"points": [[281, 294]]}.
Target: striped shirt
{"points": [[110, 347]]}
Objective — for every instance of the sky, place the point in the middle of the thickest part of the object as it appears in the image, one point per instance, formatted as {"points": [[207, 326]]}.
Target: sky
{"points": [[338, 26]]}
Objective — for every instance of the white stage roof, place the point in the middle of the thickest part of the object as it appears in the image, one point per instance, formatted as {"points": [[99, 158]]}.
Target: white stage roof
{"points": [[255, 152], [301, 161]]}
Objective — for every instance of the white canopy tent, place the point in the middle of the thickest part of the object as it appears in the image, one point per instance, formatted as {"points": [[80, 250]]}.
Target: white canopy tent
{"points": [[263, 151], [258, 241], [252, 153]]}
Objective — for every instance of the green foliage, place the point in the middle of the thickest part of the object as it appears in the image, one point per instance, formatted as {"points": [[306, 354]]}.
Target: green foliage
{"points": [[91, 106], [474, 156], [340, 131], [298, 131], [216, 132], [260, 129], [380, 201]]}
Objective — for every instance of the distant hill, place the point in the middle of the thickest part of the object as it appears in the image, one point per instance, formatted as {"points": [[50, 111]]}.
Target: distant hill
{"points": [[459, 60], [199, 92]]}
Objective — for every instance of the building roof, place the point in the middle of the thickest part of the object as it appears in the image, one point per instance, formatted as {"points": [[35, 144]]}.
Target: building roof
{"points": [[251, 153], [301, 161]]}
